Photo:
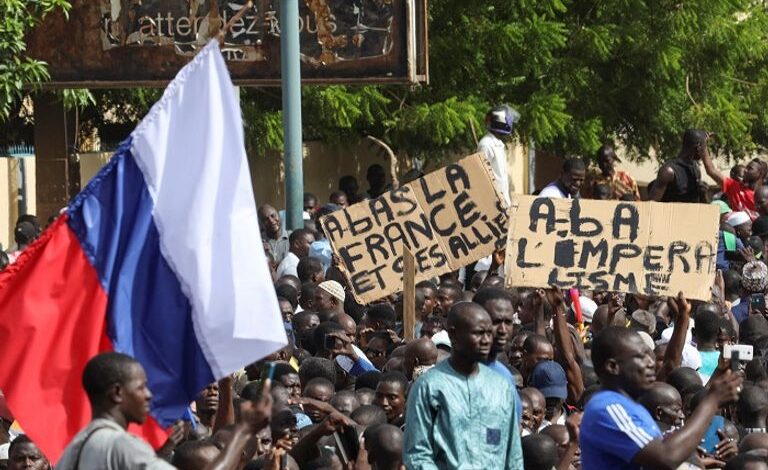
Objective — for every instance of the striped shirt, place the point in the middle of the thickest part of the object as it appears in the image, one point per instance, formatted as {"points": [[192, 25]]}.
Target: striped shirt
{"points": [[614, 429]]}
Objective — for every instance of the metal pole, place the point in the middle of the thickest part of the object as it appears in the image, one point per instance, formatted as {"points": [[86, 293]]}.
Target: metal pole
{"points": [[531, 166], [291, 82]]}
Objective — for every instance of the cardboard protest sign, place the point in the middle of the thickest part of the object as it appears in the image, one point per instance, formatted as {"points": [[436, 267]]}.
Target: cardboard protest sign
{"points": [[636, 247], [447, 219]]}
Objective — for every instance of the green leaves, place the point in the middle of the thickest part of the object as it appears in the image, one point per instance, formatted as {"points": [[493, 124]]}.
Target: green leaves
{"points": [[580, 72], [16, 70]]}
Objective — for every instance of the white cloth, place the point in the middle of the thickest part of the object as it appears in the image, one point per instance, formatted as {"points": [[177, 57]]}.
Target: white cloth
{"points": [[190, 149], [552, 190], [288, 265], [691, 357], [496, 153]]}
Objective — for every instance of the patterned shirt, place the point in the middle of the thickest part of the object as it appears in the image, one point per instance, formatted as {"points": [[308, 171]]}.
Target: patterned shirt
{"points": [[620, 183]]}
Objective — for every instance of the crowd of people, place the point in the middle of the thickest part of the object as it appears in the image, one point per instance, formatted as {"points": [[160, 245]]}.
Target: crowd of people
{"points": [[496, 376]]}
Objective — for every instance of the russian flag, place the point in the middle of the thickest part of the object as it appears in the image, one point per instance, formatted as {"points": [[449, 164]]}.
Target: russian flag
{"points": [[159, 257]]}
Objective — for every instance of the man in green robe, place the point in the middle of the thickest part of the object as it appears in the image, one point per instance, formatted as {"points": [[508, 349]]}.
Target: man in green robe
{"points": [[460, 414]]}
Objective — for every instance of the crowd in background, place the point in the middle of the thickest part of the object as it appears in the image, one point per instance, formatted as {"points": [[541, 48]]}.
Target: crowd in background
{"points": [[498, 376]]}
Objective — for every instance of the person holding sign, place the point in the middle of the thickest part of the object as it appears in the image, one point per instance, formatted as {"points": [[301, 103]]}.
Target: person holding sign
{"points": [[570, 182], [500, 121]]}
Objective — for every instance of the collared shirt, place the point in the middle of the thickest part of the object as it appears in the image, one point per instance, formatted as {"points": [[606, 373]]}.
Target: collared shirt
{"points": [[459, 422], [496, 153], [620, 182], [110, 447], [280, 246], [288, 265], [614, 429]]}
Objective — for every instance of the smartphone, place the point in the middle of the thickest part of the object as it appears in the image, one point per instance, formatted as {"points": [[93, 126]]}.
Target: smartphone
{"points": [[267, 372], [329, 343], [757, 301], [347, 444], [738, 353]]}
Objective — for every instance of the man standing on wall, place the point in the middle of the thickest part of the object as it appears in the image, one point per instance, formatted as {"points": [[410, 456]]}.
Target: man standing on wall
{"points": [[499, 121], [679, 180]]}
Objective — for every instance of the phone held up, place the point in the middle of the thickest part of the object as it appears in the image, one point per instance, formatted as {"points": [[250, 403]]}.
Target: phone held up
{"points": [[738, 353]]}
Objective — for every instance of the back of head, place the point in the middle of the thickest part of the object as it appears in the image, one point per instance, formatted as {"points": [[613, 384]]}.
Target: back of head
{"points": [[24, 233], [753, 400], [194, 455], [684, 379], [385, 446], [368, 415], [707, 326], [754, 441], [382, 314], [539, 452], [747, 462], [315, 367], [752, 329], [369, 379], [104, 371], [732, 281]]}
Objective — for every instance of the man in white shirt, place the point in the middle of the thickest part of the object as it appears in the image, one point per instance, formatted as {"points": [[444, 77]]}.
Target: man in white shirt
{"points": [[570, 182], [499, 121], [298, 242]]}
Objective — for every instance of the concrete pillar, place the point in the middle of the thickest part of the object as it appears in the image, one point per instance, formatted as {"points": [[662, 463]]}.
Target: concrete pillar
{"points": [[57, 169]]}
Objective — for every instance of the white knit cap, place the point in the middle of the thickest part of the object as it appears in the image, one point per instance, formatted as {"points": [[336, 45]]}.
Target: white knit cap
{"points": [[737, 218], [333, 288]]}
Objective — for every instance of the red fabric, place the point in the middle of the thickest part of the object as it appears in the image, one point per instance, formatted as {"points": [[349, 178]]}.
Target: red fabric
{"points": [[740, 197], [151, 432], [52, 321]]}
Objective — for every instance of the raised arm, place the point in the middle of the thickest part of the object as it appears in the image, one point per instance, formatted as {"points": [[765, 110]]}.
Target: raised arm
{"points": [[674, 355], [711, 169], [663, 179], [255, 417], [565, 354], [678, 446], [225, 415]]}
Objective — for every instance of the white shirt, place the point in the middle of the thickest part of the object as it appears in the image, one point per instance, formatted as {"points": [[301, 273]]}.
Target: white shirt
{"points": [[496, 153], [552, 190], [288, 265]]}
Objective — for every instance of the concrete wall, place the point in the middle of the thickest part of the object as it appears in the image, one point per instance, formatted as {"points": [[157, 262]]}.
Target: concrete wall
{"points": [[9, 189]]}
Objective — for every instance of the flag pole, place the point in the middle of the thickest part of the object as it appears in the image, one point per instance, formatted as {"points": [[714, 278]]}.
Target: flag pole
{"points": [[291, 83]]}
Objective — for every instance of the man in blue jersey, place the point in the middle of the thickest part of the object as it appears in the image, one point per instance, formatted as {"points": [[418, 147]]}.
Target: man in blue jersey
{"points": [[616, 431]]}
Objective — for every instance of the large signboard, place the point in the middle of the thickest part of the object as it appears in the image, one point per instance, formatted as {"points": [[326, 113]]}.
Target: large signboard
{"points": [[447, 219], [647, 247], [145, 42]]}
